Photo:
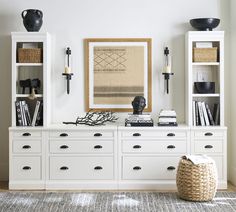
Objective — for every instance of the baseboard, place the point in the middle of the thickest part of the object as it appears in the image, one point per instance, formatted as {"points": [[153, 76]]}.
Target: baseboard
{"points": [[4, 173], [26, 185], [232, 175]]}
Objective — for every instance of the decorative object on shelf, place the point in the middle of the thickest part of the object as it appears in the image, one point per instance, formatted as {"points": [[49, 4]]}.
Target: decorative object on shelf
{"points": [[167, 118], [204, 24], [32, 19], [95, 118], [117, 70], [204, 87], [67, 72], [139, 103], [30, 55], [31, 84], [167, 67]]}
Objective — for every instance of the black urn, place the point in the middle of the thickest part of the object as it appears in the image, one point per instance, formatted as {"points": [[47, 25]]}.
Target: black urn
{"points": [[32, 19]]}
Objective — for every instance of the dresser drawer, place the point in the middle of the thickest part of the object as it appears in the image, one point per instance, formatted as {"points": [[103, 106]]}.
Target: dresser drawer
{"points": [[208, 134], [27, 134], [26, 168], [87, 168], [26, 146], [67, 146], [131, 146], [170, 134], [208, 146], [96, 134], [150, 168]]}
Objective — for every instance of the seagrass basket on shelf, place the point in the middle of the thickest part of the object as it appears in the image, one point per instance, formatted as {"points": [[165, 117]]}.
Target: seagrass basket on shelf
{"points": [[34, 55], [196, 182], [205, 54]]}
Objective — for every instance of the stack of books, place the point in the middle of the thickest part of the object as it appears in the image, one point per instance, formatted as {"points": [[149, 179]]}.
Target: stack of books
{"points": [[167, 118], [143, 120], [203, 116], [23, 117]]}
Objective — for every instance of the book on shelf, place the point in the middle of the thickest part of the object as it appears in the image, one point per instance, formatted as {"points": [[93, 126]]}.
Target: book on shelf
{"points": [[28, 115], [205, 114], [167, 119], [202, 121], [216, 113], [39, 118], [19, 121], [35, 113], [209, 114], [197, 114], [139, 117], [204, 44], [194, 113], [166, 124], [169, 113]]}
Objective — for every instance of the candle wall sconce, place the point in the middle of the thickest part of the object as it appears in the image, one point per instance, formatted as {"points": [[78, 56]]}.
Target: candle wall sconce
{"points": [[67, 71], [167, 68]]}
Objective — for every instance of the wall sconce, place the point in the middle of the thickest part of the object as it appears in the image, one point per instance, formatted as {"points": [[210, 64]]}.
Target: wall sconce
{"points": [[68, 72], [167, 68]]}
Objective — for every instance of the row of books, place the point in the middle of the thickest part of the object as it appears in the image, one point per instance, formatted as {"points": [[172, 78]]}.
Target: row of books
{"points": [[203, 116], [167, 118], [139, 120], [23, 117]]}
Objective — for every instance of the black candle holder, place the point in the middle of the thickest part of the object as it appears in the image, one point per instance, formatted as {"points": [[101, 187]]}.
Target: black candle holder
{"points": [[68, 78], [167, 77]]}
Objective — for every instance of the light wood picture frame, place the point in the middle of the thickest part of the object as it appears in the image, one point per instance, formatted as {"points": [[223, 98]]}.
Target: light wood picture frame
{"points": [[117, 70]]}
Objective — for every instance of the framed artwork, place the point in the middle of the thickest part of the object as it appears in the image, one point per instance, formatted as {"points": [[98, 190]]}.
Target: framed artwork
{"points": [[117, 70]]}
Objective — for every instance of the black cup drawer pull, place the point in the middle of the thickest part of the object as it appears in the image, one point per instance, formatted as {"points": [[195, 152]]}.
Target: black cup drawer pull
{"points": [[208, 147], [170, 134], [208, 134], [170, 147], [26, 147], [97, 134], [26, 134], [64, 168], [137, 168], [97, 168], [64, 147], [137, 147], [26, 168], [97, 147], [170, 168], [63, 134], [136, 134]]}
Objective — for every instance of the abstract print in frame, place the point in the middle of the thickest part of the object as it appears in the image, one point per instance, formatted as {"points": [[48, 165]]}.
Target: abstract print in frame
{"points": [[117, 70]]}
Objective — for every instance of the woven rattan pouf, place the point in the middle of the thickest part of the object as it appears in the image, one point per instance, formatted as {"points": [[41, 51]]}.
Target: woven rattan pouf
{"points": [[196, 182]]}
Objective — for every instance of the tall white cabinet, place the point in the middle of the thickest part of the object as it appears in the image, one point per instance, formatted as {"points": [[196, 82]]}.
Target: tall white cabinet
{"points": [[210, 140]]}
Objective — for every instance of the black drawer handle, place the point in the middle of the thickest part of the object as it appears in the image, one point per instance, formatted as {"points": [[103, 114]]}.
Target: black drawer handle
{"points": [[208, 146], [137, 168], [26, 147], [170, 134], [64, 168], [97, 134], [26, 168], [97, 147], [136, 146], [208, 134], [26, 134], [63, 134], [136, 134], [97, 168], [170, 168], [64, 147], [171, 147]]}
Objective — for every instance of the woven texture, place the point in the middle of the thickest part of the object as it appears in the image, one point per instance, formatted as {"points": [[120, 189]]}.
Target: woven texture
{"points": [[205, 54], [196, 182], [30, 55]]}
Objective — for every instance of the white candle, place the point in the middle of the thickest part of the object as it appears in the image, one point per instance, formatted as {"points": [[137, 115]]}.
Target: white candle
{"points": [[67, 70]]}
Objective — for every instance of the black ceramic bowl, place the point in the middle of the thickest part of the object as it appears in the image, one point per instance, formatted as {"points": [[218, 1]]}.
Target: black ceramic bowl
{"points": [[204, 87], [204, 24]]}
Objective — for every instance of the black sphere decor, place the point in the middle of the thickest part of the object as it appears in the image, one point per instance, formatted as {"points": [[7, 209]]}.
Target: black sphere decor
{"points": [[32, 19], [204, 24]]}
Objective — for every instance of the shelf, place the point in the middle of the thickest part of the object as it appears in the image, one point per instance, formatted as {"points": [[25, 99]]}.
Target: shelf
{"points": [[206, 95], [206, 64], [27, 95], [29, 64]]}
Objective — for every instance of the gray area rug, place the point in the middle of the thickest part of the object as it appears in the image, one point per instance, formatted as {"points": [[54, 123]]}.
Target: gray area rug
{"points": [[110, 201]]}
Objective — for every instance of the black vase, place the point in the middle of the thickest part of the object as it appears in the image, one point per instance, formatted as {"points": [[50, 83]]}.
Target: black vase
{"points": [[32, 19]]}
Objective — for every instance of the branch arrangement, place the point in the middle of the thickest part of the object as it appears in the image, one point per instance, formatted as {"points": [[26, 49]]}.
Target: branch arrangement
{"points": [[95, 118]]}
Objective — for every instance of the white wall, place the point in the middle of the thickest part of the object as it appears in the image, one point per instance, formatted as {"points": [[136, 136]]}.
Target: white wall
{"points": [[70, 22]]}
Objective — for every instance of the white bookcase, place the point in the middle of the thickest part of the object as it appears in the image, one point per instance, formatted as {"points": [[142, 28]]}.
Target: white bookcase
{"points": [[23, 71]]}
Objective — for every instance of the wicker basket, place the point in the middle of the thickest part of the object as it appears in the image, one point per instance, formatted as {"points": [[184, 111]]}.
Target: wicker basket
{"points": [[34, 55], [196, 182], [205, 54]]}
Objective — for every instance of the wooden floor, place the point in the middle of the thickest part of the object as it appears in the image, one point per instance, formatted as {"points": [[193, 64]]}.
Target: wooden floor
{"points": [[4, 187]]}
